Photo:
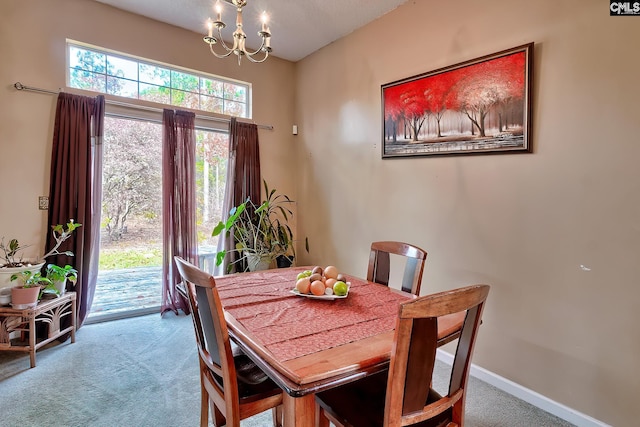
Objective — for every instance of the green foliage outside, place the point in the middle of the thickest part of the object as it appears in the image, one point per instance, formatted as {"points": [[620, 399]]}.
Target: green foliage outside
{"points": [[120, 258], [125, 76]]}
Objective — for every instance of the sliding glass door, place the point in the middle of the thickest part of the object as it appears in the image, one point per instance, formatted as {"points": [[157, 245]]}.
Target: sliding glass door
{"points": [[130, 262]]}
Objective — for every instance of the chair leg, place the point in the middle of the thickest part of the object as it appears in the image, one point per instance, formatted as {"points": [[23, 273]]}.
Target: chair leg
{"points": [[204, 406], [457, 415], [321, 417], [277, 416], [218, 419]]}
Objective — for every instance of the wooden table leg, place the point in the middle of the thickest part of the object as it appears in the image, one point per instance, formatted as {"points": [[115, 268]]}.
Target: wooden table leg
{"points": [[299, 411]]}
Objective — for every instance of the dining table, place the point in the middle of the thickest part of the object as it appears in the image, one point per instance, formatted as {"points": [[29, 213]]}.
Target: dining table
{"points": [[308, 344]]}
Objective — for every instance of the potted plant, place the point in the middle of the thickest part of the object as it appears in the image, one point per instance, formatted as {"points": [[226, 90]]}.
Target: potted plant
{"points": [[261, 232], [12, 261], [59, 276], [29, 292]]}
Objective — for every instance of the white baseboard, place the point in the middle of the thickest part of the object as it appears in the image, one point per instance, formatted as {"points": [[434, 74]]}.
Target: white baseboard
{"points": [[529, 396]]}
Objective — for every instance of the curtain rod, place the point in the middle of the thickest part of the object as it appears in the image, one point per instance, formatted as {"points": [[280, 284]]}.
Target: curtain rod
{"points": [[20, 86]]}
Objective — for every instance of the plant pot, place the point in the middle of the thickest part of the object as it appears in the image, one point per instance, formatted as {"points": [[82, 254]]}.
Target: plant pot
{"points": [[61, 286], [22, 297], [5, 296], [284, 261], [6, 273], [256, 262]]}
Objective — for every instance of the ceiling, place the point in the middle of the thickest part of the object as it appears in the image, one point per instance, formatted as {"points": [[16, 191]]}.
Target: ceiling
{"points": [[298, 27]]}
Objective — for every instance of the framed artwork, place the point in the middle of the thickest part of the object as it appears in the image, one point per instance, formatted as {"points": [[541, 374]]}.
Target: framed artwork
{"points": [[481, 106]]}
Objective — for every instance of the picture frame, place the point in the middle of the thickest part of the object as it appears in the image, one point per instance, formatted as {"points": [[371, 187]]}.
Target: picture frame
{"points": [[480, 106]]}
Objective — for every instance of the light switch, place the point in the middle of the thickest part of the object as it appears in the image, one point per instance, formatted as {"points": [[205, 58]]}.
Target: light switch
{"points": [[43, 203]]}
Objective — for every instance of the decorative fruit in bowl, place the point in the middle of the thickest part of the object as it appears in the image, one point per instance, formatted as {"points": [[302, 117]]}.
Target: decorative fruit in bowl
{"points": [[324, 283], [303, 285]]}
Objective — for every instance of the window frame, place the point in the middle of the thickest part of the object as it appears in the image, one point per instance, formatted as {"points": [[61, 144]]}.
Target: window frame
{"points": [[172, 69]]}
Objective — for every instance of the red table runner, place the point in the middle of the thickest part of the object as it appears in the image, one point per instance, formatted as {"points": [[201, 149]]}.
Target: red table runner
{"points": [[292, 326]]}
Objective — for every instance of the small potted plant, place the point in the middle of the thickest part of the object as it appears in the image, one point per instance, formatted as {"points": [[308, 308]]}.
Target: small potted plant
{"points": [[60, 275], [12, 261], [29, 292]]}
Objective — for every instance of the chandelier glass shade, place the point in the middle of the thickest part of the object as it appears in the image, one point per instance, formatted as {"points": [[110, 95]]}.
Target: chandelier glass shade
{"points": [[239, 37]]}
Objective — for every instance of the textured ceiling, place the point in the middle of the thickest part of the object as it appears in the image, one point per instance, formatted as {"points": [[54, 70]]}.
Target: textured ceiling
{"points": [[298, 27]]}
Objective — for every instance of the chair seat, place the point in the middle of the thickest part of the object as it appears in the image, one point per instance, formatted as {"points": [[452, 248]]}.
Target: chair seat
{"points": [[254, 392], [362, 402], [252, 381], [246, 370], [449, 327]]}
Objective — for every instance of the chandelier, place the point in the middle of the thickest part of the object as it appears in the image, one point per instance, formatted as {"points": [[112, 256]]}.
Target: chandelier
{"points": [[239, 37]]}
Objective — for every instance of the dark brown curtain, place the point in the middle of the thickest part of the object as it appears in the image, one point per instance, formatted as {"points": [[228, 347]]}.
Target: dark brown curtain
{"points": [[243, 176], [76, 188], [178, 202]]}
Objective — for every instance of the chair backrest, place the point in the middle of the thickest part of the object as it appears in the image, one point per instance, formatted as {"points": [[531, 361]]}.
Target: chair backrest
{"points": [[414, 352], [212, 335], [380, 264]]}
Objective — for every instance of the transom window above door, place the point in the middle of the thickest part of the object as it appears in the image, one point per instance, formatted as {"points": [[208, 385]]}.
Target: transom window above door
{"points": [[98, 70]]}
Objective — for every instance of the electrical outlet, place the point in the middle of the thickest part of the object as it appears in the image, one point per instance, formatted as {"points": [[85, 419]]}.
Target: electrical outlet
{"points": [[43, 203]]}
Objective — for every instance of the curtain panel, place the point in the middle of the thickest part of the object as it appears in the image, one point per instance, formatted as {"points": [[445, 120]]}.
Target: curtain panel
{"points": [[243, 179], [76, 189], [178, 202]]}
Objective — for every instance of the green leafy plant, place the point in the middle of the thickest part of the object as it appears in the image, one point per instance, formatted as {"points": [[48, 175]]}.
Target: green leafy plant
{"points": [[60, 274], [260, 230], [60, 234], [11, 252], [56, 273], [29, 279]]}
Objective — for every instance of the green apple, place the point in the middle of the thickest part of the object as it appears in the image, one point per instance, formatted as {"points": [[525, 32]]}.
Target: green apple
{"points": [[340, 288], [303, 274]]}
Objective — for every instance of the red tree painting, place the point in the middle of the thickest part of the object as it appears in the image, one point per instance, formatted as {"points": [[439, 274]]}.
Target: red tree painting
{"points": [[473, 107]]}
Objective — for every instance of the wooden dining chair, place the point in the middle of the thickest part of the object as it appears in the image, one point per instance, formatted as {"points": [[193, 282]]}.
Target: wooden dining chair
{"points": [[403, 395], [380, 264], [378, 271], [231, 384]]}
